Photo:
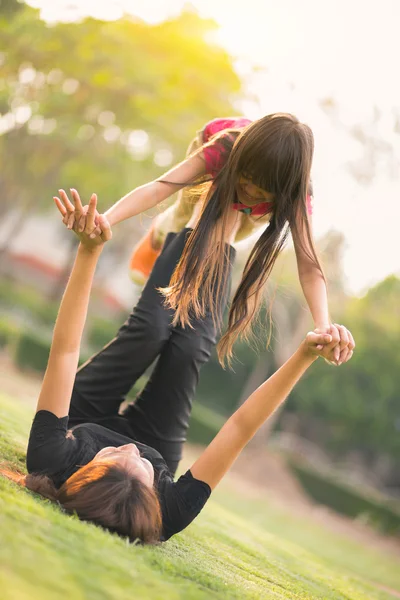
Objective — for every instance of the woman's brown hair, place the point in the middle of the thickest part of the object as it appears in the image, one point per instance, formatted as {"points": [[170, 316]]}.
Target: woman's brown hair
{"points": [[276, 153], [103, 493]]}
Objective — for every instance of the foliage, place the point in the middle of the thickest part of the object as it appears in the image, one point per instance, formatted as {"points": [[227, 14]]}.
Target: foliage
{"points": [[90, 104], [101, 332], [205, 423], [9, 332], [27, 301], [347, 500], [359, 406], [32, 351]]}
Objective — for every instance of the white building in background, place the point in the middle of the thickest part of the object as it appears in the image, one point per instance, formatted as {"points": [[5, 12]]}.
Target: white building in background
{"points": [[39, 252]]}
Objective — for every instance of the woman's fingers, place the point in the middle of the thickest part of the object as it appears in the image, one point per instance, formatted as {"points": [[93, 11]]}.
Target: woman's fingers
{"points": [[352, 343], [80, 226], [67, 202], [79, 215], [347, 344], [91, 214], [106, 234], [60, 206], [69, 217], [334, 348], [77, 201], [96, 232], [344, 337], [343, 343]]}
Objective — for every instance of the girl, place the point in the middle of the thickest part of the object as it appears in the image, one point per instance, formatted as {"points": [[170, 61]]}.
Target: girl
{"points": [[255, 174], [117, 470]]}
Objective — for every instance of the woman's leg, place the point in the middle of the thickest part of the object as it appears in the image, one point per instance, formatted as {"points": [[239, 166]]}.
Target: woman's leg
{"points": [[103, 382], [160, 416]]}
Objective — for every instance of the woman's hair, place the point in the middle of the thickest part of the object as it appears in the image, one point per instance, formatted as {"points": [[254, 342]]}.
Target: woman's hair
{"points": [[276, 153], [103, 493]]}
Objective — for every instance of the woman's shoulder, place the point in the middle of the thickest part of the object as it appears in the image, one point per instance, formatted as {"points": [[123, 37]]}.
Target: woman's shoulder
{"points": [[181, 501], [52, 449]]}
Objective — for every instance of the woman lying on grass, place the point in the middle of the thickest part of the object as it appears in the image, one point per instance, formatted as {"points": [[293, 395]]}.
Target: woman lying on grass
{"points": [[117, 470]]}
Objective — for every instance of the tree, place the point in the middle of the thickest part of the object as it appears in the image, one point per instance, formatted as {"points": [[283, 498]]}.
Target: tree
{"points": [[101, 106], [359, 409]]}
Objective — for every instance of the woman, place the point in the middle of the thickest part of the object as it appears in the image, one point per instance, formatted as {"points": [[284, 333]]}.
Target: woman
{"points": [[117, 470], [258, 172]]}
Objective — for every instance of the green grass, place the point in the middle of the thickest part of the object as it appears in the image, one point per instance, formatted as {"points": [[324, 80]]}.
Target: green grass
{"points": [[239, 547]]}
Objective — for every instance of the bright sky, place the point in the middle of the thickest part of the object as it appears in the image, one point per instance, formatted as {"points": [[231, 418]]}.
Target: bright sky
{"points": [[347, 50]]}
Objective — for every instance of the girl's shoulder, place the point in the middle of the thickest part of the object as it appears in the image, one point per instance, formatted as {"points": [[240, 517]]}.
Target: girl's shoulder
{"points": [[217, 125], [215, 154]]}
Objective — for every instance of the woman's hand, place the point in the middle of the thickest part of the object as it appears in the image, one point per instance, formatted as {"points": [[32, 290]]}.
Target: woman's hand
{"points": [[73, 215], [317, 343], [340, 349]]}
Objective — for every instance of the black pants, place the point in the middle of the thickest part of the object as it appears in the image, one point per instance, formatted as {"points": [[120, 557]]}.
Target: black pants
{"points": [[160, 415]]}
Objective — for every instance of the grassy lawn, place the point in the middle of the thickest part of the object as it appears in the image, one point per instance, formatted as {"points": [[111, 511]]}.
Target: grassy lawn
{"points": [[239, 547]]}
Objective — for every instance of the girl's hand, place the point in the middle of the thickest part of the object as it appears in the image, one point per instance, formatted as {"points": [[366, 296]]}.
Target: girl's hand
{"points": [[346, 344], [72, 214], [340, 350], [76, 219]]}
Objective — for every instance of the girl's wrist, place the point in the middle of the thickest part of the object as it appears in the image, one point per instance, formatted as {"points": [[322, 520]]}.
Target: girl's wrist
{"points": [[323, 325], [109, 216]]}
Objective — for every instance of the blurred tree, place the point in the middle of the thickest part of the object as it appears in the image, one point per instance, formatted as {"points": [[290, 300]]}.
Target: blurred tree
{"points": [[358, 410], [290, 318], [101, 106]]}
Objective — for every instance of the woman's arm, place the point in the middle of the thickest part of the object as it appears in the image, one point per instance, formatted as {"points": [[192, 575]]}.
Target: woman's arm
{"points": [[244, 423], [60, 374], [151, 194]]}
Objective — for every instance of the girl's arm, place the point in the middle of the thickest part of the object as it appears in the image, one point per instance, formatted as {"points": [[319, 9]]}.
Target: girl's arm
{"points": [[244, 423], [312, 283], [315, 293], [151, 194], [55, 394]]}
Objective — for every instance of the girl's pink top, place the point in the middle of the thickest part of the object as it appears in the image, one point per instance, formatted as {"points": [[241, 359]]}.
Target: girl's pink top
{"points": [[216, 158]]}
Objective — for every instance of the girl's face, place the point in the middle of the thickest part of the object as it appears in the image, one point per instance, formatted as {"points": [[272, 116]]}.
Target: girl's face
{"points": [[250, 194], [128, 456]]}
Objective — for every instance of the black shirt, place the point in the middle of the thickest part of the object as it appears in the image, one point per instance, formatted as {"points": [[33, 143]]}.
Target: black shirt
{"points": [[58, 452]]}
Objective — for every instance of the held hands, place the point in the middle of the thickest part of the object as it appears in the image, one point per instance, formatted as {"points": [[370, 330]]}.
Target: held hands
{"points": [[335, 345], [84, 220], [77, 220], [340, 349]]}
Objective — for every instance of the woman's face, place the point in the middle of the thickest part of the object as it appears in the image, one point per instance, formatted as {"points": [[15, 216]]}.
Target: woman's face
{"points": [[250, 194], [128, 457]]}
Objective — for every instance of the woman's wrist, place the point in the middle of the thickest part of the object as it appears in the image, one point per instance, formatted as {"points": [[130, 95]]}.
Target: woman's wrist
{"points": [[93, 251], [307, 353]]}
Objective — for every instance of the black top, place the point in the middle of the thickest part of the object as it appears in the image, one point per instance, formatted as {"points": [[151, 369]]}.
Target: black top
{"points": [[58, 452]]}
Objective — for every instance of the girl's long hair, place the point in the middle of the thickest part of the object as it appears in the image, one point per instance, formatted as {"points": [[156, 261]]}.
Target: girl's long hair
{"points": [[276, 153], [103, 493]]}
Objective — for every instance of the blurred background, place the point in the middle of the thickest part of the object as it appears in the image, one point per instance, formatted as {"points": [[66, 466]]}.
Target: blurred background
{"points": [[106, 95]]}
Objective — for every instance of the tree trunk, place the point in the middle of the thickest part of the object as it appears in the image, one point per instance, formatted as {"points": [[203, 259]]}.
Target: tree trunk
{"points": [[59, 286]]}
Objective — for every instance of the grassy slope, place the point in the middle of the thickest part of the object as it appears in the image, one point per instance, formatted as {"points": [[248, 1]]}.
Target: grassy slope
{"points": [[238, 548]]}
